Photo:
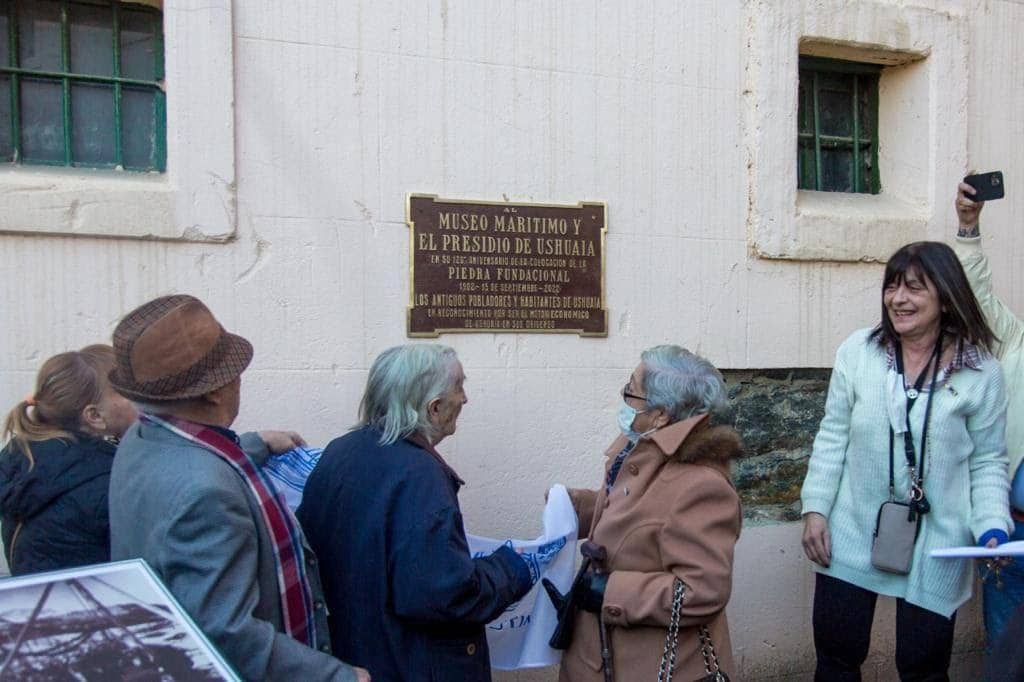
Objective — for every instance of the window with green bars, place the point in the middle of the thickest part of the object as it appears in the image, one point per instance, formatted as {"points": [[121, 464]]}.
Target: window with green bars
{"points": [[837, 147], [81, 84]]}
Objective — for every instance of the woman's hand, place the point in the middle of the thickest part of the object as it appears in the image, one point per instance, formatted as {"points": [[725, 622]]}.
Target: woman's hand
{"points": [[968, 211], [817, 541]]}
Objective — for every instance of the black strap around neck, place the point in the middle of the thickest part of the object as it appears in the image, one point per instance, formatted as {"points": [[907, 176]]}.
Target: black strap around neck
{"points": [[908, 438]]}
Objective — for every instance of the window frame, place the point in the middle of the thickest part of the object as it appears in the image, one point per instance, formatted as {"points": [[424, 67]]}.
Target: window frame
{"points": [[195, 200], [863, 74], [922, 127], [67, 78]]}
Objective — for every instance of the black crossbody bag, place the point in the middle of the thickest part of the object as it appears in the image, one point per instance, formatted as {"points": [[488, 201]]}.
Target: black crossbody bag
{"points": [[898, 523]]}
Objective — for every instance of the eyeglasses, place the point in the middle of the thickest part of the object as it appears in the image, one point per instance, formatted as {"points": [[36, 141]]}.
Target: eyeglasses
{"points": [[627, 394]]}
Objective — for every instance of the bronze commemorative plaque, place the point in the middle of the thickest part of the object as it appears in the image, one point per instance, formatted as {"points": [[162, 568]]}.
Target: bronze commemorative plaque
{"points": [[505, 267]]}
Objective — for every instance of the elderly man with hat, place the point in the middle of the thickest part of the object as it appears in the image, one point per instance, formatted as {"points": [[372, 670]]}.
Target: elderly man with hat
{"points": [[188, 495]]}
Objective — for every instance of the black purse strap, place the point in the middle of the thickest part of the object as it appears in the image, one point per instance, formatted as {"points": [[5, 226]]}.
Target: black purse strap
{"points": [[916, 468]]}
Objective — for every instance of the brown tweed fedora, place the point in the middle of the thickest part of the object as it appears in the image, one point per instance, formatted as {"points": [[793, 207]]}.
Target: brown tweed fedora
{"points": [[173, 348]]}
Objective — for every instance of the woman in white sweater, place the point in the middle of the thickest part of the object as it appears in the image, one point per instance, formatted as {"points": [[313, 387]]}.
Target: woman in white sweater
{"points": [[916, 414]]}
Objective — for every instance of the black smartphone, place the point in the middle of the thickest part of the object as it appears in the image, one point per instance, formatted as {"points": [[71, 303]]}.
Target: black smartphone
{"points": [[987, 186]]}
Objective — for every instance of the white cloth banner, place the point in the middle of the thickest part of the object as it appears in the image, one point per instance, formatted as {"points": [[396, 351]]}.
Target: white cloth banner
{"points": [[519, 637], [289, 471]]}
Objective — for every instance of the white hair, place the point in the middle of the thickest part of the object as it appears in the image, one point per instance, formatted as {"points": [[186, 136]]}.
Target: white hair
{"points": [[402, 382], [680, 382]]}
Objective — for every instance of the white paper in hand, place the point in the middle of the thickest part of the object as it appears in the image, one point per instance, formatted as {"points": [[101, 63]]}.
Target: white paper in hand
{"points": [[1015, 548], [519, 637]]}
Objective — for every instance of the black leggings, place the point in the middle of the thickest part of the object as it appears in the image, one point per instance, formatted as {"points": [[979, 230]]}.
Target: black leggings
{"points": [[842, 632]]}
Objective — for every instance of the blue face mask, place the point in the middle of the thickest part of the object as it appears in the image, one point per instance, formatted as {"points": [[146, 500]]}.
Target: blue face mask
{"points": [[627, 414]]}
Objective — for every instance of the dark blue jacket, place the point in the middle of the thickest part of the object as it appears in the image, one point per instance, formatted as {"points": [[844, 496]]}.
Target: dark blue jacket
{"points": [[54, 514], [406, 601]]}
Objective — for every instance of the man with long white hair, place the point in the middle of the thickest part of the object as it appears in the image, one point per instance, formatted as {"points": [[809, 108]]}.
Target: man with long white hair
{"points": [[406, 600]]}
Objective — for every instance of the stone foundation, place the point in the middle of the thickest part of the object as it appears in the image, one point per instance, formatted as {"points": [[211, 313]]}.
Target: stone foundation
{"points": [[777, 412]]}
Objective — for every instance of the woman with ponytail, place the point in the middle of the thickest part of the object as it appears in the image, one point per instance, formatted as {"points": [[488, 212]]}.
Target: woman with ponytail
{"points": [[55, 466]]}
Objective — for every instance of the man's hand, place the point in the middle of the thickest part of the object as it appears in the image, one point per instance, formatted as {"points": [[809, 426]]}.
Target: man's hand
{"points": [[968, 211], [362, 675], [817, 541], [281, 441]]}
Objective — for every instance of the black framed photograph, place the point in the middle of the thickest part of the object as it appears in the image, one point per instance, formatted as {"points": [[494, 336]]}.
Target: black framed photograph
{"points": [[113, 621]]}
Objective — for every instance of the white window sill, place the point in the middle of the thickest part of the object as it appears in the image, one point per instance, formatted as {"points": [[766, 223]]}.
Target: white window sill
{"points": [[95, 203], [835, 226]]}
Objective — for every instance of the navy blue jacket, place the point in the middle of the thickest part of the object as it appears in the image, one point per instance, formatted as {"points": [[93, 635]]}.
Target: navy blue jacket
{"points": [[55, 514], [405, 599]]}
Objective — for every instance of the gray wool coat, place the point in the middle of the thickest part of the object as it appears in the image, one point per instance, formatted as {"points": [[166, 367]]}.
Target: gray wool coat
{"points": [[195, 522]]}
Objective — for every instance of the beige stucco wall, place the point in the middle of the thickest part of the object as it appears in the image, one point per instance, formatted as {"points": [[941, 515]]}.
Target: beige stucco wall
{"points": [[671, 112]]}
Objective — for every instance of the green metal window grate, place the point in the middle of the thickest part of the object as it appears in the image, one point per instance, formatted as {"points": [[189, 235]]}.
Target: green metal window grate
{"points": [[81, 84], [837, 142]]}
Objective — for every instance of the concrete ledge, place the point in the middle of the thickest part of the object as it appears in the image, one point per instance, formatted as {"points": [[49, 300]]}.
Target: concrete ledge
{"points": [[73, 202], [836, 226]]}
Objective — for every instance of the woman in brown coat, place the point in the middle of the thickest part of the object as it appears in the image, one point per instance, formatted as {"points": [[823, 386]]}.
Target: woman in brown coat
{"points": [[667, 518]]}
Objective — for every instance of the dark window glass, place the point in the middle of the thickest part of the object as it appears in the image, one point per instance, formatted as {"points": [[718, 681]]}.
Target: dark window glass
{"points": [[91, 30], [837, 169], [85, 87], [867, 109], [805, 163], [5, 43], [138, 45], [835, 105], [837, 136], [42, 121], [92, 127], [139, 116], [6, 143], [806, 109], [39, 35]]}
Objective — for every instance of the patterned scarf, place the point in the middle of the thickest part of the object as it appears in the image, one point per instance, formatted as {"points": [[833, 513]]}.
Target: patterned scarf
{"points": [[967, 355], [281, 525], [613, 473]]}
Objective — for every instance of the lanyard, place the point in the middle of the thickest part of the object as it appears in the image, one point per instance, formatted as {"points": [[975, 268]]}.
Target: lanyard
{"points": [[918, 502]]}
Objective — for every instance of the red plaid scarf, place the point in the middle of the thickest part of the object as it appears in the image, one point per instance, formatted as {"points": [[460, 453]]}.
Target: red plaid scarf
{"points": [[281, 525]]}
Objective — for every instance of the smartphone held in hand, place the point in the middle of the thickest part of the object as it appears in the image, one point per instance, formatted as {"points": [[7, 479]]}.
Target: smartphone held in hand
{"points": [[987, 186]]}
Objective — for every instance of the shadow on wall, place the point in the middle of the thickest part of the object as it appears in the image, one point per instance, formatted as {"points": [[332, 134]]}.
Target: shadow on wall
{"points": [[777, 412]]}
